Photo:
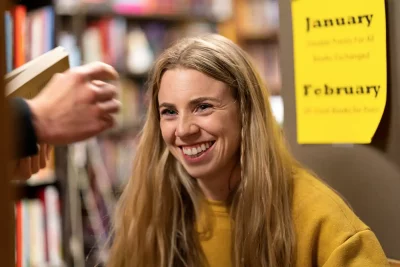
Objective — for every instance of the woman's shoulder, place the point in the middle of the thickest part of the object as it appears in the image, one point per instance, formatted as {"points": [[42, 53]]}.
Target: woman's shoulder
{"points": [[327, 230], [313, 199]]}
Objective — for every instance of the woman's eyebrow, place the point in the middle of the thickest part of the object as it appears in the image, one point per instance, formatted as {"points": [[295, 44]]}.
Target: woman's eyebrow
{"points": [[192, 102], [166, 105], [198, 100]]}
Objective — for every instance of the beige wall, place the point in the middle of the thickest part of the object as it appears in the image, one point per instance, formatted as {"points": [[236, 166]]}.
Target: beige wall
{"points": [[368, 176]]}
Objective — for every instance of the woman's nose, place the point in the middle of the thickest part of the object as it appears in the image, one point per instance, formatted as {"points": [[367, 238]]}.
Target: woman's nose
{"points": [[186, 127]]}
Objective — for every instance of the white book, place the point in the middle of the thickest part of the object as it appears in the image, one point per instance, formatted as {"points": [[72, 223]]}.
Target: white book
{"points": [[37, 234], [53, 223], [91, 44]]}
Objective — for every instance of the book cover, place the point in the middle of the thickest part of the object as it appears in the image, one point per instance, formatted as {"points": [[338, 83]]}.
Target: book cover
{"points": [[28, 80]]}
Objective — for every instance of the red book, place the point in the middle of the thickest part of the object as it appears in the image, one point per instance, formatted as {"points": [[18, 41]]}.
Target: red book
{"points": [[104, 25], [19, 16], [19, 235]]}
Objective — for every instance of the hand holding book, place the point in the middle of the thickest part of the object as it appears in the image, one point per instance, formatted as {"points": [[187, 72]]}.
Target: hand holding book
{"points": [[54, 104], [75, 105]]}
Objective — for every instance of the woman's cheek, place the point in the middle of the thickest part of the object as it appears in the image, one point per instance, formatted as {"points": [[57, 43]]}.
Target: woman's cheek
{"points": [[167, 131]]}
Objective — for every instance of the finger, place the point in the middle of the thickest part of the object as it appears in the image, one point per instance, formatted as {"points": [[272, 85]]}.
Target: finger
{"points": [[43, 154], [35, 164], [103, 123], [98, 71], [109, 122], [106, 122], [24, 168], [48, 152], [112, 106], [99, 83], [104, 91]]}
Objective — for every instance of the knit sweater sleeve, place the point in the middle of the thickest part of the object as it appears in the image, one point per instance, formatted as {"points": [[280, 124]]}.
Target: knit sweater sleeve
{"points": [[361, 249], [328, 232]]}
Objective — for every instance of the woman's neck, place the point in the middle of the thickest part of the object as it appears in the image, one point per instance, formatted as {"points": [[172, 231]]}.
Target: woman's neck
{"points": [[219, 186]]}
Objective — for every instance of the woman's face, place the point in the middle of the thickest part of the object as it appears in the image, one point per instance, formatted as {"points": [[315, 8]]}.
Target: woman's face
{"points": [[200, 122]]}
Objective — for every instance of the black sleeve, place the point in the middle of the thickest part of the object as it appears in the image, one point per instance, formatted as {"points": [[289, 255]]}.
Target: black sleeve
{"points": [[24, 132]]}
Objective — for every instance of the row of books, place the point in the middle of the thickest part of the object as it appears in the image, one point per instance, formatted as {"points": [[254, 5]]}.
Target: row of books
{"points": [[28, 34], [98, 196], [38, 229], [130, 48], [259, 16], [266, 58], [104, 163], [117, 154], [133, 104], [220, 9]]}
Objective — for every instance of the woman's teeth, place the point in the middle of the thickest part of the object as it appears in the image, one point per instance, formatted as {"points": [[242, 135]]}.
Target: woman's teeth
{"points": [[197, 150]]}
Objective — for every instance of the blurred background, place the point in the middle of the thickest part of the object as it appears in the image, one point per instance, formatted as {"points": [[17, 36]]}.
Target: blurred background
{"points": [[63, 212]]}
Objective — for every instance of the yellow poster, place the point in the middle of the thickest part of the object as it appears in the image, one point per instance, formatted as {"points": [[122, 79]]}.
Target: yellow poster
{"points": [[340, 69]]}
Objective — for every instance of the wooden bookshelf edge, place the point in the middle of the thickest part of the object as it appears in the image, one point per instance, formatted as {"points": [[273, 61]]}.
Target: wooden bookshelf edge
{"points": [[268, 35], [95, 10], [7, 224]]}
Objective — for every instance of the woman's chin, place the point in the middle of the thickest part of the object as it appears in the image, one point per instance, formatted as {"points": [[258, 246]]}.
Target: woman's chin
{"points": [[198, 172]]}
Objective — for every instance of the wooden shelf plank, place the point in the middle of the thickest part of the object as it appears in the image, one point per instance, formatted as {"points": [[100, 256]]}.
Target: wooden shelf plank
{"points": [[274, 89], [257, 35], [94, 10], [32, 5]]}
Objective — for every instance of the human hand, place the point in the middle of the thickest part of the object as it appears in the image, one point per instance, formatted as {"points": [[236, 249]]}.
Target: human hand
{"points": [[28, 166], [75, 105]]}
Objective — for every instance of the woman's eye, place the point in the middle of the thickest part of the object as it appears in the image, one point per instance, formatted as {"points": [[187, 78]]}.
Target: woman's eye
{"points": [[203, 107], [168, 112]]}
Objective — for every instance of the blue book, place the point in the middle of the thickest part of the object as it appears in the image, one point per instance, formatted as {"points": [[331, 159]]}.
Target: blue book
{"points": [[50, 21], [9, 40]]}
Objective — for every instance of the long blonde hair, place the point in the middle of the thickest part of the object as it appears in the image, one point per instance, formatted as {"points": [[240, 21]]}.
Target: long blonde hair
{"points": [[157, 213]]}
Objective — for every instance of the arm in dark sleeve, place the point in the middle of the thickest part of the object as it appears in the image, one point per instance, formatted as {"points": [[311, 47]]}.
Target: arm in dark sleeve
{"points": [[24, 133]]}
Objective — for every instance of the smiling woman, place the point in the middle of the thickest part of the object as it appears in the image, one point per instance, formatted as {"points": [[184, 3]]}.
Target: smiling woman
{"points": [[213, 183], [201, 128]]}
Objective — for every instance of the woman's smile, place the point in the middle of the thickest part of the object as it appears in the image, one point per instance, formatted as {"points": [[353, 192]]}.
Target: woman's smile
{"points": [[197, 152]]}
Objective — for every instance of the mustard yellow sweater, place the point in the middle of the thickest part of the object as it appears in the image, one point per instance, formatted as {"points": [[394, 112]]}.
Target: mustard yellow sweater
{"points": [[328, 233]]}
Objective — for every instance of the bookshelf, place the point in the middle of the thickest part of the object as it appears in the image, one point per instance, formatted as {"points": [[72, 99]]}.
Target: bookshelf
{"points": [[96, 10], [89, 176], [255, 27], [257, 32], [85, 29], [93, 173], [28, 32]]}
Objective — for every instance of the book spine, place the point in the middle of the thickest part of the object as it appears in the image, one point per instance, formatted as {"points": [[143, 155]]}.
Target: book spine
{"points": [[50, 21], [19, 234], [26, 240], [53, 223], [19, 15], [9, 40], [37, 233]]}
